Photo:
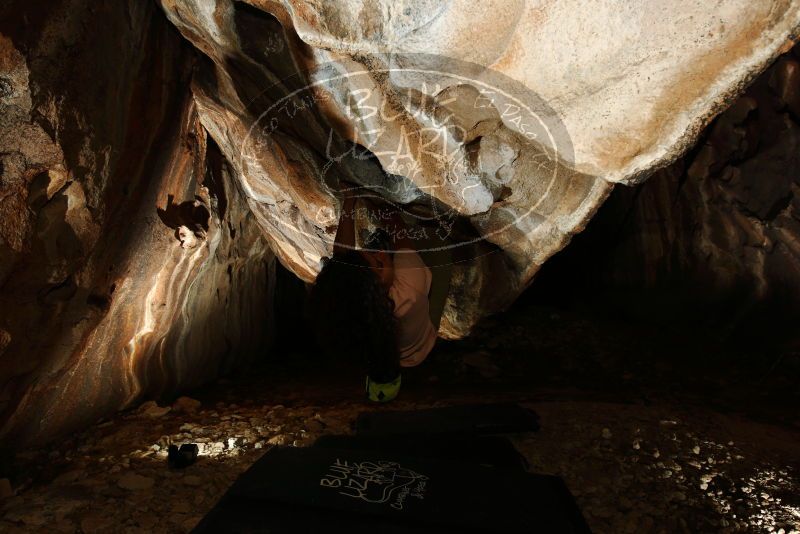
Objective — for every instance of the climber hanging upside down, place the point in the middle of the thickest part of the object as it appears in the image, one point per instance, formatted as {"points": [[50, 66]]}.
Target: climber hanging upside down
{"points": [[371, 303]]}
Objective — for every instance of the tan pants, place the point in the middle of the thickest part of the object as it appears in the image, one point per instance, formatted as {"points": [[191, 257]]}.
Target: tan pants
{"points": [[433, 252]]}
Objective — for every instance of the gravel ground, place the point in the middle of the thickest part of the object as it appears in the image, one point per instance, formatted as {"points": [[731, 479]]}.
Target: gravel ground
{"points": [[632, 468], [650, 431]]}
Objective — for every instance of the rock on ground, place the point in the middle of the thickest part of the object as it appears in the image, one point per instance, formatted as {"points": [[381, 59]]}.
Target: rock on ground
{"points": [[632, 468]]}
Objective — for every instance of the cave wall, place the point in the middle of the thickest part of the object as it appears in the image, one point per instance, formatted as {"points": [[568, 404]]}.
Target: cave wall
{"points": [[409, 81], [129, 264], [143, 203], [713, 240]]}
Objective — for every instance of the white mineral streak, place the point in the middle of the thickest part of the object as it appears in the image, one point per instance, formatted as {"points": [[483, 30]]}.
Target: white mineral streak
{"points": [[617, 90]]}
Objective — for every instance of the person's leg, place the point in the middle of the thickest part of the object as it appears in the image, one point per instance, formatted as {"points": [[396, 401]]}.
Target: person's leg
{"points": [[441, 268], [434, 251]]}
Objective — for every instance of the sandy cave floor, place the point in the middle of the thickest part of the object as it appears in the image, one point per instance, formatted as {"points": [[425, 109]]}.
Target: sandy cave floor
{"points": [[637, 457]]}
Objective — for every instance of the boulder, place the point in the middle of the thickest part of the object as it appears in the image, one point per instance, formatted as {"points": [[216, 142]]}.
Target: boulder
{"points": [[150, 178], [106, 178], [488, 114]]}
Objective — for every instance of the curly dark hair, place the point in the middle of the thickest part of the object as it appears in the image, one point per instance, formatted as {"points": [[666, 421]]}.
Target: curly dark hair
{"points": [[353, 315]]}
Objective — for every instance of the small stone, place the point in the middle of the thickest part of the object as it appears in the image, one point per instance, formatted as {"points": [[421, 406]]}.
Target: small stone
{"points": [[151, 409], [482, 362], [5, 489], [146, 406], [134, 482], [95, 523], [189, 524], [33, 519], [696, 449], [69, 477], [631, 525], [192, 480], [280, 439], [186, 405], [636, 445], [603, 512], [606, 433], [146, 521], [181, 507]]}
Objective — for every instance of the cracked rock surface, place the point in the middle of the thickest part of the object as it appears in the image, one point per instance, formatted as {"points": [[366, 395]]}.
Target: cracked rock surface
{"points": [[491, 112], [121, 227], [718, 228], [145, 194]]}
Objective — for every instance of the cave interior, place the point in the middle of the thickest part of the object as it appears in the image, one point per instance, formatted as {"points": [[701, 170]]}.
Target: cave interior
{"points": [[171, 177]]}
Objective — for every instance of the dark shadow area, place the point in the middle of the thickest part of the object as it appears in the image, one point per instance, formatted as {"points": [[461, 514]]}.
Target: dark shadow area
{"points": [[190, 214]]}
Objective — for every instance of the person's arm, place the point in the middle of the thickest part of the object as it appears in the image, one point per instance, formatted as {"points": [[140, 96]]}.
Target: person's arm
{"points": [[345, 233]]}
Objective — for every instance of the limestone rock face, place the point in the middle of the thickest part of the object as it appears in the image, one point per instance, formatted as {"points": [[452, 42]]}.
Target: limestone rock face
{"points": [[157, 157], [516, 117], [129, 263], [715, 236]]}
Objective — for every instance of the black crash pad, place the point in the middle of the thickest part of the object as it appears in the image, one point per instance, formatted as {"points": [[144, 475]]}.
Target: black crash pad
{"points": [[497, 418], [488, 451], [331, 490]]}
